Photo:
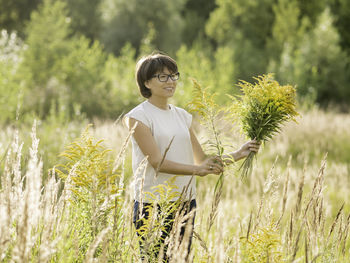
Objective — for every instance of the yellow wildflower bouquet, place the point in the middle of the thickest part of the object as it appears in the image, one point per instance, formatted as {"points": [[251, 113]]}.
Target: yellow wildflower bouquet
{"points": [[262, 109]]}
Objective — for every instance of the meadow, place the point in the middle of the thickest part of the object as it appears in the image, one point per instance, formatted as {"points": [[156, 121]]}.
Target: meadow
{"points": [[295, 207], [66, 186]]}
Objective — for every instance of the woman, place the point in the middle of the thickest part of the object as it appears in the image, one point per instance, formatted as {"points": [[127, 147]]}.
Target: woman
{"points": [[163, 133]]}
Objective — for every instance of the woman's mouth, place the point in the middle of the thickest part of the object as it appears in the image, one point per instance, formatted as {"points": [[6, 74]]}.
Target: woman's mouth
{"points": [[169, 89]]}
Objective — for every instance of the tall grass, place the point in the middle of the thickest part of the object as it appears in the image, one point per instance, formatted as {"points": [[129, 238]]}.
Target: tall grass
{"points": [[295, 208]]}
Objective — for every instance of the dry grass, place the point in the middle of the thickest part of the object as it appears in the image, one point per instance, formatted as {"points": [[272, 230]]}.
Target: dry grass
{"points": [[294, 208]]}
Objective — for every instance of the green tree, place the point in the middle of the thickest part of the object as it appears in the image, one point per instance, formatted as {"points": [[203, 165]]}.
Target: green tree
{"points": [[48, 43], [317, 64], [119, 77], [216, 71], [129, 21], [245, 27], [341, 11], [15, 14], [291, 20], [286, 27], [86, 17], [195, 14], [11, 48], [62, 68], [81, 77], [312, 9]]}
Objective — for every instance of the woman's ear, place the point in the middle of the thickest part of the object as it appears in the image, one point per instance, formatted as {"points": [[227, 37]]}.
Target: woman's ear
{"points": [[146, 83]]}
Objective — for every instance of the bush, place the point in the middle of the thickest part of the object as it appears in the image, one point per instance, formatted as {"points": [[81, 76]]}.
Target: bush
{"points": [[72, 70], [128, 22], [317, 64], [11, 48], [215, 70]]}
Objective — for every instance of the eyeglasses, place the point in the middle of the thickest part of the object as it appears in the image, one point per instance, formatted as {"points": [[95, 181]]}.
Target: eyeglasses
{"points": [[164, 77]]}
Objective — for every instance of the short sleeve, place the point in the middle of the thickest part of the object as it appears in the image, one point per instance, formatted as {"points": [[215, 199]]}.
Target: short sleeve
{"points": [[139, 115], [186, 116]]}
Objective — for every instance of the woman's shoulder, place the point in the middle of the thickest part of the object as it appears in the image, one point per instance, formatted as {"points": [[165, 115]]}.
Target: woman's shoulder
{"points": [[138, 113], [180, 110], [138, 108]]}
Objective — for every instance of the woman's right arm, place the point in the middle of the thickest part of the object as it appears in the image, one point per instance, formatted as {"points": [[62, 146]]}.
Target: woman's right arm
{"points": [[145, 140]]}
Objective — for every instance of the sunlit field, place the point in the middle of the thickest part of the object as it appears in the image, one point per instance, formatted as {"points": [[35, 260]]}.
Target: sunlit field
{"points": [[77, 207], [67, 76]]}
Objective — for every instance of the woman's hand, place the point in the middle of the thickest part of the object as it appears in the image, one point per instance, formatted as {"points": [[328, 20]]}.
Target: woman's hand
{"points": [[248, 147], [211, 165]]}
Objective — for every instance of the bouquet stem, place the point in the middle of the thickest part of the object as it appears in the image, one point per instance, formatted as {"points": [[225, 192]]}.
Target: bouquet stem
{"points": [[247, 165]]}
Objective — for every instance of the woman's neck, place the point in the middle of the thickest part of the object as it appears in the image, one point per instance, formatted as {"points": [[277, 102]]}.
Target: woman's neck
{"points": [[159, 102]]}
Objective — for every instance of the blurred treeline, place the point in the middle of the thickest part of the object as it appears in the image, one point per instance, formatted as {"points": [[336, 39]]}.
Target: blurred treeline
{"points": [[77, 57]]}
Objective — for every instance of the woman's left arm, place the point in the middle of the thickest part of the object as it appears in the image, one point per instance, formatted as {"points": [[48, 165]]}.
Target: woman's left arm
{"points": [[242, 152], [198, 153]]}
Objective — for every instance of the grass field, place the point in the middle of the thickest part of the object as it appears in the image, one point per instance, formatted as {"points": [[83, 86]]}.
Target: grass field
{"points": [[295, 207]]}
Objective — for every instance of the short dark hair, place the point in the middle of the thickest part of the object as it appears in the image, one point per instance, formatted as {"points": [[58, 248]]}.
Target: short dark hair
{"points": [[149, 65]]}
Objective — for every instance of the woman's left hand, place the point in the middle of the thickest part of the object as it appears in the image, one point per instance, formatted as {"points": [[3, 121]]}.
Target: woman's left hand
{"points": [[250, 146]]}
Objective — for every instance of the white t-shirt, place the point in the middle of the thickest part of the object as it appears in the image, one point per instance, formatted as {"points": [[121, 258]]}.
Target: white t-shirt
{"points": [[164, 125]]}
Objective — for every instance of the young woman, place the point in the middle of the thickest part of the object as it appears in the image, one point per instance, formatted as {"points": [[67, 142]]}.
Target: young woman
{"points": [[163, 134]]}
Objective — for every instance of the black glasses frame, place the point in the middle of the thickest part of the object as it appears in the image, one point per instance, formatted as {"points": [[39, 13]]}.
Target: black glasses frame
{"points": [[173, 77]]}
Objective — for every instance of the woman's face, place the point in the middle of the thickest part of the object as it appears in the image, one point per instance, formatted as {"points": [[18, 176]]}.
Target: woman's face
{"points": [[164, 89]]}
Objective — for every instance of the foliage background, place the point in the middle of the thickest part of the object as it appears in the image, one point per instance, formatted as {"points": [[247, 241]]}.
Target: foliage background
{"points": [[80, 55]]}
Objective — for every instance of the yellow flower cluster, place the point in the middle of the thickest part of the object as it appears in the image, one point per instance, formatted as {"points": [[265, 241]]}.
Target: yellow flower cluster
{"points": [[262, 109], [264, 106]]}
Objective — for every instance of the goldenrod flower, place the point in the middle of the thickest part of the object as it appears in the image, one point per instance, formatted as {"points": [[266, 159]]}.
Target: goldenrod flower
{"points": [[262, 109]]}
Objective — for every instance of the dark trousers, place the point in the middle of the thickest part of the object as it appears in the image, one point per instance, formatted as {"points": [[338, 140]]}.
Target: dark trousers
{"points": [[139, 220]]}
